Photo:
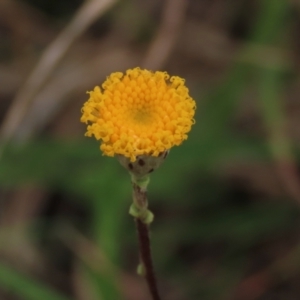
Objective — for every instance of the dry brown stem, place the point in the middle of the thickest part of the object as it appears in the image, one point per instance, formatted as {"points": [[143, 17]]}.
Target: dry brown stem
{"points": [[165, 39], [87, 13]]}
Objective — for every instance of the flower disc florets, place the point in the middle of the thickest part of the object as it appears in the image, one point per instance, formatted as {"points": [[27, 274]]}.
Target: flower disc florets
{"points": [[139, 113]]}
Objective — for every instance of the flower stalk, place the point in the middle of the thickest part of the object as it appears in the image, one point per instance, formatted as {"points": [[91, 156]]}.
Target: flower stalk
{"points": [[143, 217]]}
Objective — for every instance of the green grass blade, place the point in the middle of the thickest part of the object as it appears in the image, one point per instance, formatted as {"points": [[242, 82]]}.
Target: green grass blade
{"points": [[25, 287]]}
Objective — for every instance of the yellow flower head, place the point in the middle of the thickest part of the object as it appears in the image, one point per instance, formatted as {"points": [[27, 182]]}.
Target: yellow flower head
{"points": [[139, 113]]}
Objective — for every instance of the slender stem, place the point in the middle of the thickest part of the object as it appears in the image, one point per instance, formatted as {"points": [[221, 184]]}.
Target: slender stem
{"points": [[145, 252], [143, 217]]}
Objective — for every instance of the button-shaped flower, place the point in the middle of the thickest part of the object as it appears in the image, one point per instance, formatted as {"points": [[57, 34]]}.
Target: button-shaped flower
{"points": [[139, 113]]}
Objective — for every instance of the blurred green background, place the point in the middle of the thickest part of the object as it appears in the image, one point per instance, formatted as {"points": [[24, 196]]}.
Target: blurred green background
{"points": [[226, 201]]}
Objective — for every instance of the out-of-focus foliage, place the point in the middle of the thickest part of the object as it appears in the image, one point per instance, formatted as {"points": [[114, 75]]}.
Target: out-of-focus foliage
{"points": [[226, 212]]}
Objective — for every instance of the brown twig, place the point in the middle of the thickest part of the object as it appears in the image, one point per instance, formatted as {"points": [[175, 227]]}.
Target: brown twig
{"points": [[146, 257], [142, 220]]}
